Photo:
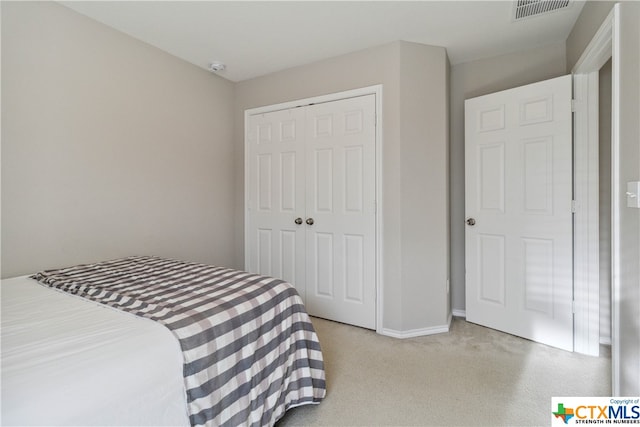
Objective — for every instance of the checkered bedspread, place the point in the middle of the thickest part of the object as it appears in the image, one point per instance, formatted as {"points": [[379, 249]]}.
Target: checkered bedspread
{"points": [[250, 351]]}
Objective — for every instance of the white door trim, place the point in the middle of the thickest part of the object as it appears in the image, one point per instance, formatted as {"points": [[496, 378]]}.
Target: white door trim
{"points": [[369, 90], [586, 232], [604, 45]]}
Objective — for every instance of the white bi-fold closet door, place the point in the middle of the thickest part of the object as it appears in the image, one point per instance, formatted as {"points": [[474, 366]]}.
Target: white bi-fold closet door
{"points": [[311, 204]]}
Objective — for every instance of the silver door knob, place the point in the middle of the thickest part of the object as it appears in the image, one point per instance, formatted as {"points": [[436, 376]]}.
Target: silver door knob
{"points": [[471, 221], [298, 221], [310, 221]]}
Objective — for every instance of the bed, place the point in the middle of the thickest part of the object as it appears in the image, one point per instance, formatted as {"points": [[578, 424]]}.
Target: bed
{"points": [[114, 343]]}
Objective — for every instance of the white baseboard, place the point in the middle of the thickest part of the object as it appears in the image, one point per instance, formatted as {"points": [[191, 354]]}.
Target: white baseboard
{"points": [[412, 333], [459, 313], [605, 340]]}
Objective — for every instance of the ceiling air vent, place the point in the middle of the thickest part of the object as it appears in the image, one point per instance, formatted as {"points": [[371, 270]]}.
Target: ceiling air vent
{"points": [[529, 8]]}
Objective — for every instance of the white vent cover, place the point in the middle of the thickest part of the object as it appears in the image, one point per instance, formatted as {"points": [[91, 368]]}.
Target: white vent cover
{"points": [[529, 8]]}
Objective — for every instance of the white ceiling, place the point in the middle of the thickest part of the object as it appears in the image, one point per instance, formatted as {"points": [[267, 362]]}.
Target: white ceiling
{"points": [[254, 38]]}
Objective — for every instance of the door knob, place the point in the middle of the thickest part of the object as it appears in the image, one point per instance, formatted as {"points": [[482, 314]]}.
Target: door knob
{"points": [[471, 221], [310, 221], [298, 221]]}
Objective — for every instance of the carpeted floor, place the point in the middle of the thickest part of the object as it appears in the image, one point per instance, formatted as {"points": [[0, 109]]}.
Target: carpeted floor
{"points": [[471, 376]]}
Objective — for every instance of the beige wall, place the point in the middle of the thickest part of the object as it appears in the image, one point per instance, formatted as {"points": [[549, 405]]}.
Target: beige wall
{"points": [[629, 218], [414, 164], [424, 98], [478, 78], [110, 147]]}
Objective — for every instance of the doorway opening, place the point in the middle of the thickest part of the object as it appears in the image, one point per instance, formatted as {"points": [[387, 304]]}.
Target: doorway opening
{"points": [[597, 164]]}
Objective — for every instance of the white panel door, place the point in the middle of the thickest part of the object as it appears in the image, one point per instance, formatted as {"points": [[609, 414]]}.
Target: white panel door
{"points": [[311, 205], [518, 186], [340, 201], [275, 162]]}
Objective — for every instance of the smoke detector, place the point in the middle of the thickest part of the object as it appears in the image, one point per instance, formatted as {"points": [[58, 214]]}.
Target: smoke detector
{"points": [[216, 66], [529, 8]]}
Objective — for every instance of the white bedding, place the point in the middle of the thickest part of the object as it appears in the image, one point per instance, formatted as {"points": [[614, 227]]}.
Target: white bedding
{"points": [[69, 361]]}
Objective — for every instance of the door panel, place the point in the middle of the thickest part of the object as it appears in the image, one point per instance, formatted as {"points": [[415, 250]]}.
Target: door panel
{"points": [[537, 177], [518, 190], [289, 250], [323, 180], [354, 267], [491, 280], [491, 177]]}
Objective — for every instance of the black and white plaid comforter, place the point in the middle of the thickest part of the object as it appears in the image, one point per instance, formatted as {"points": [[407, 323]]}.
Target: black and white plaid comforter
{"points": [[250, 351]]}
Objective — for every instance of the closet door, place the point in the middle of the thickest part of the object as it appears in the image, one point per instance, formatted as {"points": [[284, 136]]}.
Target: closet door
{"points": [[276, 203], [340, 211], [311, 205]]}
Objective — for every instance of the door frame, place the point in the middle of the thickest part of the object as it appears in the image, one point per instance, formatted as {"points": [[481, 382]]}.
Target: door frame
{"points": [[353, 93], [605, 44]]}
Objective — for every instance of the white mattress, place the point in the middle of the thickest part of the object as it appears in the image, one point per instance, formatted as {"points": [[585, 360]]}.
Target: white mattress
{"points": [[68, 361]]}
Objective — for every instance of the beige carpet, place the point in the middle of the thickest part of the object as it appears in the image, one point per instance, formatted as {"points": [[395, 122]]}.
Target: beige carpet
{"points": [[470, 376]]}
